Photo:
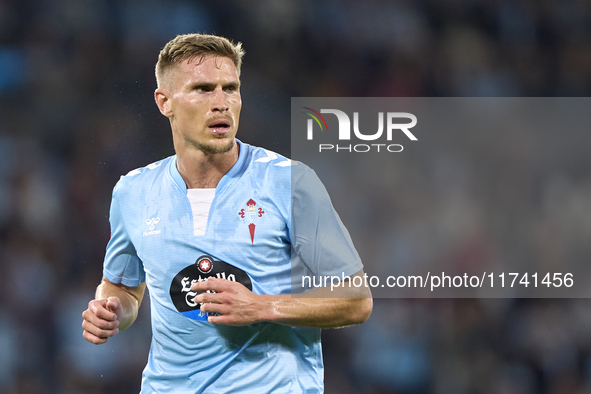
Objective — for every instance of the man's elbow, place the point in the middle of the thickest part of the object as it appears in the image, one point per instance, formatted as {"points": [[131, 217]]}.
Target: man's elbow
{"points": [[362, 310]]}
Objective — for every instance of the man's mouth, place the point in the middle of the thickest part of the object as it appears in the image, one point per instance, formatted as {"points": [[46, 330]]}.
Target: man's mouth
{"points": [[219, 126]]}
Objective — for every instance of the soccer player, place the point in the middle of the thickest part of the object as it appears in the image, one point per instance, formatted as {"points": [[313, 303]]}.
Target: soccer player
{"points": [[214, 232]]}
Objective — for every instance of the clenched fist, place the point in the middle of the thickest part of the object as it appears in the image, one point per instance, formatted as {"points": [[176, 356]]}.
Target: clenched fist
{"points": [[101, 320]]}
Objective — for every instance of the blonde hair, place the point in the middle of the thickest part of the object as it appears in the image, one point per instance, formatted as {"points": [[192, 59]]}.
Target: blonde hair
{"points": [[191, 46]]}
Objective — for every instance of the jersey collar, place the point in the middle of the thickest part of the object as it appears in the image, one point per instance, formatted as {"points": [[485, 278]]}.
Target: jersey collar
{"points": [[237, 169]]}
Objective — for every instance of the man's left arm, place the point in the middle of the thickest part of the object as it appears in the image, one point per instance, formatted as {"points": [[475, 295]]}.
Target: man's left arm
{"points": [[322, 308]]}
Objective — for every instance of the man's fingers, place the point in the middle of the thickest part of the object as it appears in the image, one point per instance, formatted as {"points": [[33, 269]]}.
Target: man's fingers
{"points": [[93, 338], [225, 320], [98, 322], [113, 304], [216, 298], [225, 298], [214, 284], [97, 331], [215, 308], [217, 319], [99, 308]]}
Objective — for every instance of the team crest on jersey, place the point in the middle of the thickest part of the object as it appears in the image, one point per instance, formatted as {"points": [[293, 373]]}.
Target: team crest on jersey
{"points": [[251, 213]]}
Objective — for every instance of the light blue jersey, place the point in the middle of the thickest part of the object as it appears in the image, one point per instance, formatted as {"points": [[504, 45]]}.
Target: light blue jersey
{"points": [[249, 238]]}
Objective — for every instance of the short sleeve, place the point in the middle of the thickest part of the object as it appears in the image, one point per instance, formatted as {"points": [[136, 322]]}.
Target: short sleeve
{"points": [[320, 241], [122, 265]]}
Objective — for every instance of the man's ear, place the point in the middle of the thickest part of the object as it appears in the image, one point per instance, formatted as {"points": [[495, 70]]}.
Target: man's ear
{"points": [[162, 101]]}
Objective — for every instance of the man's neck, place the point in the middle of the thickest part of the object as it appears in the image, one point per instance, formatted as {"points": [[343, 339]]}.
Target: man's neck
{"points": [[200, 170]]}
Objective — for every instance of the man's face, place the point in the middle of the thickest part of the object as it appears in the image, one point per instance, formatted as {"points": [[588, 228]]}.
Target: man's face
{"points": [[203, 104]]}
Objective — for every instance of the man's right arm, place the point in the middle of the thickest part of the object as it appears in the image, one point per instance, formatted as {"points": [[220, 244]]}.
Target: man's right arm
{"points": [[114, 309]]}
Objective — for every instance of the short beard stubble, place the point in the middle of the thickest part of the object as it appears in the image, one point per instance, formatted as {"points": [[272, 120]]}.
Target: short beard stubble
{"points": [[212, 149]]}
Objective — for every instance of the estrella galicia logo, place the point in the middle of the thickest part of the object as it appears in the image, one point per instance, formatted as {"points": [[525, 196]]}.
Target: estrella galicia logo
{"points": [[204, 264], [205, 267], [395, 121]]}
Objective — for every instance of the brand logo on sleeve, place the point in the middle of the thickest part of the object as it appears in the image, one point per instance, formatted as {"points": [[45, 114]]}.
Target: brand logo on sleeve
{"points": [[151, 223], [250, 215]]}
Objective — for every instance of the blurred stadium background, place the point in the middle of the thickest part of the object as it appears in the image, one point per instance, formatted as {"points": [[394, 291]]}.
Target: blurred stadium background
{"points": [[77, 111]]}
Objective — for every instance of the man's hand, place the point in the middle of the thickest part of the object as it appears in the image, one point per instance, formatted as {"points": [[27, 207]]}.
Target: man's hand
{"points": [[101, 320], [323, 308], [235, 304]]}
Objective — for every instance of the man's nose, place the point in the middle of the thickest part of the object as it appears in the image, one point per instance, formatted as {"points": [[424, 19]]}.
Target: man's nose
{"points": [[219, 102]]}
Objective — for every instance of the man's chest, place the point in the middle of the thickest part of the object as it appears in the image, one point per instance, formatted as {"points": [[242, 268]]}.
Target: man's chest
{"points": [[242, 227]]}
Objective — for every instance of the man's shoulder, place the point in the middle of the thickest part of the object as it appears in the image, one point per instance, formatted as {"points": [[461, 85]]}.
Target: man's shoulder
{"points": [[143, 175], [275, 164], [284, 171], [267, 157]]}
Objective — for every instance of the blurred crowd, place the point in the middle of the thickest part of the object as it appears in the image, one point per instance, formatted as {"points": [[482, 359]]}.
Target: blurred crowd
{"points": [[77, 112]]}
